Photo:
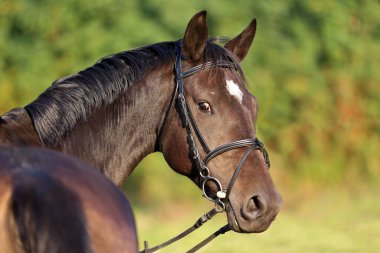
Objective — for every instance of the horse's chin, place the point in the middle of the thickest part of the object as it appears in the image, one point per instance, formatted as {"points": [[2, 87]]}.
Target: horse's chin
{"points": [[238, 224]]}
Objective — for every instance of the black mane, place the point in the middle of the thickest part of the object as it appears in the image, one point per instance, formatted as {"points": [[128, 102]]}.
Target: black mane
{"points": [[56, 111]]}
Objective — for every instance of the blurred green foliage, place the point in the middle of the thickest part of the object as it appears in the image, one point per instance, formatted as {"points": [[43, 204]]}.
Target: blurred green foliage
{"points": [[313, 67]]}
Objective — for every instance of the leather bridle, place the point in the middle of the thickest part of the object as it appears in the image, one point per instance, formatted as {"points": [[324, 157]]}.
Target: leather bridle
{"points": [[188, 122]]}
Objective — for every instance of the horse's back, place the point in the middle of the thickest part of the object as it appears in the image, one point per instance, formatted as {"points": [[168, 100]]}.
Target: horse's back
{"points": [[67, 198], [7, 240]]}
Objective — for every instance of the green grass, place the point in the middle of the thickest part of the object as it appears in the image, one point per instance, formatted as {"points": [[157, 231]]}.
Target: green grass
{"points": [[329, 221]]}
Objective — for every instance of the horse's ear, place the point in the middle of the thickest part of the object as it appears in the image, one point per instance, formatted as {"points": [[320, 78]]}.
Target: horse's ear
{"points": [[240, 45], [195, 39]]}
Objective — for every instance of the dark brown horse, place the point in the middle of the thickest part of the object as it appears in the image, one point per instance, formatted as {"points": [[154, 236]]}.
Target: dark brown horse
{"points": [[187, 99], [51, 203]]}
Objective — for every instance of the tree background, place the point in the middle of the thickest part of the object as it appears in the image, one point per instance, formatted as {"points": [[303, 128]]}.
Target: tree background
{"points": [[314, 68]]}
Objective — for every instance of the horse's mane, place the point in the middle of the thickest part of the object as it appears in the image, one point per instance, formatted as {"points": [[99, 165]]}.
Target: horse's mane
{"points": [[70, 99]]}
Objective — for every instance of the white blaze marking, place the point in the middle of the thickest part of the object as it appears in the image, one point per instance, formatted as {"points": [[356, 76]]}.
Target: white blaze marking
{"points": [[234, 90]]}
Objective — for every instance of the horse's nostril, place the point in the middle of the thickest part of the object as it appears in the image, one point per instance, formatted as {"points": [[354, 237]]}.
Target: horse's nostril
{"points": [[259, 210], [257, 202], [255, 207], [254, 204]]}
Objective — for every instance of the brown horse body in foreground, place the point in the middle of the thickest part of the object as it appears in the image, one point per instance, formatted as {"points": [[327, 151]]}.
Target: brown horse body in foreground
{"points": [[51, 203], [125, 107]]}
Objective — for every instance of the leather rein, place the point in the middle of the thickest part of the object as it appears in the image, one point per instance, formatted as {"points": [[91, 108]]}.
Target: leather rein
{"points": [[188, 122]]}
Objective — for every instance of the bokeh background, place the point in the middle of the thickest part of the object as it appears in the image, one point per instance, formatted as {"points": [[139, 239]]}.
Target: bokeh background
{"points": [[314, 67]]}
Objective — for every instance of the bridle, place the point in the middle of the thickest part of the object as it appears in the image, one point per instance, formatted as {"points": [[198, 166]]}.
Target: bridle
{"points": [[188, 122]]}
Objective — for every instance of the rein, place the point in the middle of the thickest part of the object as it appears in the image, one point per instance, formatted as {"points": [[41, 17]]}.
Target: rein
{"points": [[188, 122]]}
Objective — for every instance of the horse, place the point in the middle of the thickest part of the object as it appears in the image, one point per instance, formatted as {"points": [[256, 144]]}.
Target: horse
{"points": [[53, 203], [187, 99]]}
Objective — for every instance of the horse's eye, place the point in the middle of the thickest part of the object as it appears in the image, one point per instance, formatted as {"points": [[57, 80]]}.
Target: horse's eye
{"points": [[204, 107]]}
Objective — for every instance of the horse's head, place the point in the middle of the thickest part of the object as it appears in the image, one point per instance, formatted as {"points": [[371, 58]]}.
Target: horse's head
{"points": [[209, 135]]}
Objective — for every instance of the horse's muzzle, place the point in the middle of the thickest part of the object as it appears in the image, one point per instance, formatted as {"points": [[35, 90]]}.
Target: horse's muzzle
{"points": [[255, 214]]}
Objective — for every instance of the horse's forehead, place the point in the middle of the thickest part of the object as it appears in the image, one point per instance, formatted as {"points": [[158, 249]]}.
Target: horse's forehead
{"points": [[222, 82], [234, 90], [234, 86]]}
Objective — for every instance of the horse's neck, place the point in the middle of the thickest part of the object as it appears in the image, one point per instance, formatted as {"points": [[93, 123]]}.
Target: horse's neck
{"points": [[116, 138], [16, 129]]}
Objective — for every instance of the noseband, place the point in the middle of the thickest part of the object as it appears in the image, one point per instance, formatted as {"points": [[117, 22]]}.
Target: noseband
{"points": [[188, 122]]}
